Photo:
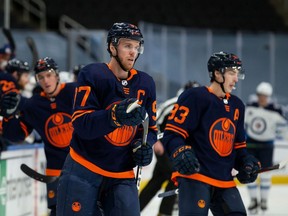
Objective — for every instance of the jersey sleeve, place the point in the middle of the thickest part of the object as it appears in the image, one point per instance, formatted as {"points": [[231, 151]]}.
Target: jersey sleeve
{"points": [[180, 121], [151, 110], [16, 129], [89, 119]]}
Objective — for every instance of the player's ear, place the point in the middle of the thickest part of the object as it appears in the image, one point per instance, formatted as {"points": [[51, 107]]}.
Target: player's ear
{"points": [[112, 49], [218, 76]]}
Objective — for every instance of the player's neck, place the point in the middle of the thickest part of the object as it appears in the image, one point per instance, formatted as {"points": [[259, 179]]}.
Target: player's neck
{"points": [[55, 92], [217, 90], [117, 70]]}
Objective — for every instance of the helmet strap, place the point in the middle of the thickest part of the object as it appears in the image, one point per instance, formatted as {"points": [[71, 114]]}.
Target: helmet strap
{"points": [[221, 83]]}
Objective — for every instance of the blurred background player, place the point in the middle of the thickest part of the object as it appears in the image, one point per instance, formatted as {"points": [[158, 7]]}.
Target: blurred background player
{"points": [[163, 168], [205, 138], [20, 70], [12, 81], [5, 55], [107, 141], [261, 120], [49, 113], [76, 71]]}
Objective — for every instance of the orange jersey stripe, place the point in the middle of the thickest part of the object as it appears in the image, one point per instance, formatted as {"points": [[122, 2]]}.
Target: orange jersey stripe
{"points": [[205, 179], [53, 172], [240, 145], [177, 130], [79, 113], [153, 128], [24, 128], [92, 167]]}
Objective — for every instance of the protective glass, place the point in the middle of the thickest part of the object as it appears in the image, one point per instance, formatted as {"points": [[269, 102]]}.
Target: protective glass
{"points": [[237, 70]]}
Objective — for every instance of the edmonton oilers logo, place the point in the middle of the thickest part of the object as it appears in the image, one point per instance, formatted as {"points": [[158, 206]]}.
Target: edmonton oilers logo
{"points": [[221, 136], [59, 129], [121, 136]]}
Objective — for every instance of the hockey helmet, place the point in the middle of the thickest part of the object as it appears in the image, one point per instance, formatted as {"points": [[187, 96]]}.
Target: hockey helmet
{"points": [[17, 65], [223, 60], [124, 30], [264, 88], [45, 64]]}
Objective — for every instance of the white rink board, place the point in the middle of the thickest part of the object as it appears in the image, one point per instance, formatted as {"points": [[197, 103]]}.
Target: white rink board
{"points": [[19, 194]]}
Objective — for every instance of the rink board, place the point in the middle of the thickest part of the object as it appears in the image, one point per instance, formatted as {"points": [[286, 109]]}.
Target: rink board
{"points": [[19, 194], [278, 176]]}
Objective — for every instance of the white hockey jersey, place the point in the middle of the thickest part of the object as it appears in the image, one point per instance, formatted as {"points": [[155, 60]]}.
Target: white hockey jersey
{"points": [[261, 123]]}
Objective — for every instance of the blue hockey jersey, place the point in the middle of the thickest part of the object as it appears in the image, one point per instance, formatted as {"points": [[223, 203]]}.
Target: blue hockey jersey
{"points": [[214, 128], [95, 143], [51, 118]]}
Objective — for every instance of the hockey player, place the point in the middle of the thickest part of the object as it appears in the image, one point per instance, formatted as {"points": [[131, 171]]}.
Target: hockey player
{"points": [[107, 141], [20, 71], [49, 113], [261, 120], [163, 167], [205, 139], [11, 82]]}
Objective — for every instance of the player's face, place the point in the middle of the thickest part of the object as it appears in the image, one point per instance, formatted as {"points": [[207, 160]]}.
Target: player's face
{"points": [[23, 80], [263, 100], [128, 51], [231, 78], [48, 80]]}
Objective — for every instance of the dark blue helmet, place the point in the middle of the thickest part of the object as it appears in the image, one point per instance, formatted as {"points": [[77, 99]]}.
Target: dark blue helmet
{"points": [[124, 30], [17, 65], [222, 60], [45, 64]]}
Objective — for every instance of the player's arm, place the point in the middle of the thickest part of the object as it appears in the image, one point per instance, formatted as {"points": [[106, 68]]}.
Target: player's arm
{"points": [[151, 110], [246, 164], [9, 96], [90, 119], [176, 132], [16, 129]]}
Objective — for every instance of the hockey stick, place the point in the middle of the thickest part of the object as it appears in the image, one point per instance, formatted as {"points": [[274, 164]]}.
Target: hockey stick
{"points": [[145, 125], [7, 33], [280, 165], [37, 176], [169, 193], [32, 46]]}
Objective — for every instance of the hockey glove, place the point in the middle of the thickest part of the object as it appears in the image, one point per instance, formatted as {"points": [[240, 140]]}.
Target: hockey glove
{"points": [[142, 154], [248, 170], [184, 160], [119, 116], [9, 103]]}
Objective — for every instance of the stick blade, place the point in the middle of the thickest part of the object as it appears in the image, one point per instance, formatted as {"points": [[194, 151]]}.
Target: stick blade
{"points": [[283, 164], [132, 106], [37, 176]]}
